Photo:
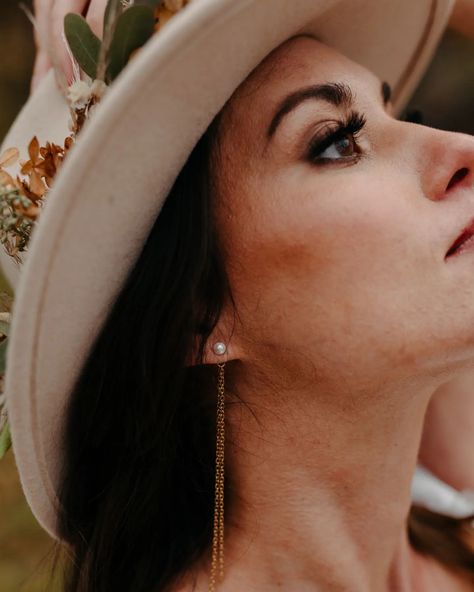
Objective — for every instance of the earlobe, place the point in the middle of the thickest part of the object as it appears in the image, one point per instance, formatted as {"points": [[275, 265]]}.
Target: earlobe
{"points": [[222, 345]]}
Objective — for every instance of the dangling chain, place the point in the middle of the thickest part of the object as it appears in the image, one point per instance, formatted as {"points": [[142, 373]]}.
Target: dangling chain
{"points": [[218, 535]]}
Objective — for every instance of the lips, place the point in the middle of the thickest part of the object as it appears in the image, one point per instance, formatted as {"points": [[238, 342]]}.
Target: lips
{"points": [[465, 235]]}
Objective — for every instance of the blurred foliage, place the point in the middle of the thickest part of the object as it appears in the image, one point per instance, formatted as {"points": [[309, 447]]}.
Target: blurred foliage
{"points": [[16, 60], [445, 96], [26, 552], [25, 549]]}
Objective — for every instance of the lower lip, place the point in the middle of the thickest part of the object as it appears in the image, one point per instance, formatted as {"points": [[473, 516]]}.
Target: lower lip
{"points": [[466, 246]]}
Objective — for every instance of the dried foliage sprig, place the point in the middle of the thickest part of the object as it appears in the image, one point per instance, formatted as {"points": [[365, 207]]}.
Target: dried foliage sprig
{"points": [[21, 197]]}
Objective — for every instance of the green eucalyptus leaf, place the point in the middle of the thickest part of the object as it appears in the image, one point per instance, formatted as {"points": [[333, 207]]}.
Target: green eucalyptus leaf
{"points": [[134, 27], [3, 355], [84, 44], [5, 440]]}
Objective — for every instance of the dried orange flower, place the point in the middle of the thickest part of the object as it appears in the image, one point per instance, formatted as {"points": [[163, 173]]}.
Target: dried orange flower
{"points": [[41, 168], [34, 170]]}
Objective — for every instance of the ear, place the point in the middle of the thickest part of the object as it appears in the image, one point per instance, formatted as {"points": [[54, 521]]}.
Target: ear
{"points": [[222, 344]]}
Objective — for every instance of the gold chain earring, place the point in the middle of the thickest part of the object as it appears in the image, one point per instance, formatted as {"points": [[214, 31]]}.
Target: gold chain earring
{"points": [[217, 562]]}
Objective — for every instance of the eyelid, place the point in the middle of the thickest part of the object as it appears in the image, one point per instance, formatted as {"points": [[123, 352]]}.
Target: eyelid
{"points": [[352, 124]]}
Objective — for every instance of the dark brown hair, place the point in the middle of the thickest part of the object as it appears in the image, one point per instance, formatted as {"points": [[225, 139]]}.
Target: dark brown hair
{"points": [[138, 477], [449, 540]]}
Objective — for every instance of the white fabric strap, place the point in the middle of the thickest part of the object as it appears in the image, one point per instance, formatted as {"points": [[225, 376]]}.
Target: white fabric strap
{"points": [[436, 495]]}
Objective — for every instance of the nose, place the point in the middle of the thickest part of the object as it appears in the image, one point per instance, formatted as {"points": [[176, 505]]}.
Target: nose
{"points": [[445, 160]]}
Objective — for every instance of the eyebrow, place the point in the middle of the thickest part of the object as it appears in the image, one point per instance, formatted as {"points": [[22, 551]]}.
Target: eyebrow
{"points": [[335, 93]]}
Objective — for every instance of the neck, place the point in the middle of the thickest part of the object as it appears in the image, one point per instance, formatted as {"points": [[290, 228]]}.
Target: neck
{"points": [[319, 497]]}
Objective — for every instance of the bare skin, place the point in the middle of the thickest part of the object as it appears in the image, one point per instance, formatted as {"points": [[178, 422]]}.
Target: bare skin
{"points": [[49, 15], [349, 320], [448, 434], [462, 17]]}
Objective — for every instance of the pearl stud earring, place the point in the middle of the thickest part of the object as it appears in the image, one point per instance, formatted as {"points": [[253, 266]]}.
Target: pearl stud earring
{"points": [[219, 348]]}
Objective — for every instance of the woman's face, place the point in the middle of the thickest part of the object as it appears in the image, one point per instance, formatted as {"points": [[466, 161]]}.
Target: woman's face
{"points": [[336, 249]]}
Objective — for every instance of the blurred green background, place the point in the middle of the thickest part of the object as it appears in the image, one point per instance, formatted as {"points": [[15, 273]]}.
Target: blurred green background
{"points": [[446, 97], [25, 550]]}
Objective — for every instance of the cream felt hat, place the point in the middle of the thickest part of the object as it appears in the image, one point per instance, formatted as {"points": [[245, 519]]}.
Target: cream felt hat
{"points": [[78, 259]]}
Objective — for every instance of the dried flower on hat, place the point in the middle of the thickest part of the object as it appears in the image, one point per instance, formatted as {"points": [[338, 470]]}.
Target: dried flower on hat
{"points": [[21, 197]]}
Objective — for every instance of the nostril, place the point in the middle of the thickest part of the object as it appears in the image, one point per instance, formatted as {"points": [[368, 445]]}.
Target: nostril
{"points": [[458, 176]]}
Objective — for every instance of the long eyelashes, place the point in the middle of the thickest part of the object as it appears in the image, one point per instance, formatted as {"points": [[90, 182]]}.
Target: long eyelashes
{"points": [[351, 126]]}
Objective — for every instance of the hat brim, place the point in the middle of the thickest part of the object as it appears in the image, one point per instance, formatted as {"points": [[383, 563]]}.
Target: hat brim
{"points": [[117, 175]]}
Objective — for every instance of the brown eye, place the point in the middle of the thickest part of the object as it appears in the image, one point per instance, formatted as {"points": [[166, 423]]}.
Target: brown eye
{"points": [[346, 146], [340, 147], [338, 144]]}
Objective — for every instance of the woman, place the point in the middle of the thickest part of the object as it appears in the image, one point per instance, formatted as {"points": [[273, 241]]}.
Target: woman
{"points": [[449, 422], [303, 252]]}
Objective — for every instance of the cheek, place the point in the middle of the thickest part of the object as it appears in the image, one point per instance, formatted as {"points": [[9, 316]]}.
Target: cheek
{"points": [[291, 232], [330, 267]]}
